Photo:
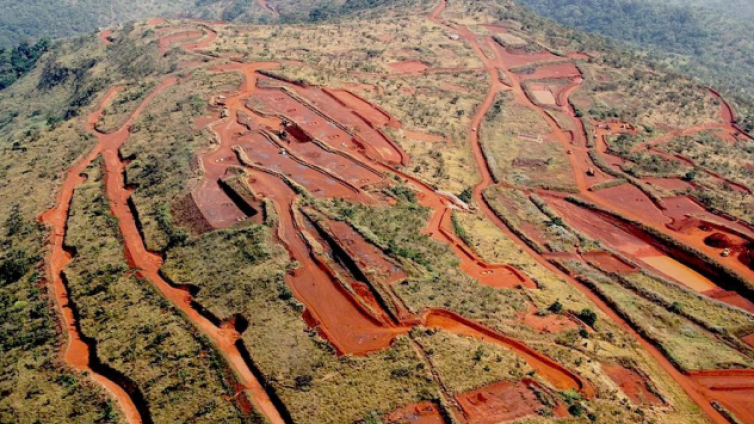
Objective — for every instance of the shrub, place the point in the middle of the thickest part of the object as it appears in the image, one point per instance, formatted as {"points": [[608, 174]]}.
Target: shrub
{"points": [[588, 317], [556, 307]]}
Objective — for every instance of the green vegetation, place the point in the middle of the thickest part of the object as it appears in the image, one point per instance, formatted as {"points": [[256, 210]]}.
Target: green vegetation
{"points": [[465, 364], [683, 342], [16, 62], [517, 144]]}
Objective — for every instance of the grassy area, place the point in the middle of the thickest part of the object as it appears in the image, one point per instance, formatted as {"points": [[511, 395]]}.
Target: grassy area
{"points": [[541, 231], [41, 134], [732, 161], [685, 343], [465, 364], [518, 146], [35, 383], [137, 332], [703, 309], [121, 108]]}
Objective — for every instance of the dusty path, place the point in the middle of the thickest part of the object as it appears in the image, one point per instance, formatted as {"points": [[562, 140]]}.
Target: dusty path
{"points": [[78, 353], [693, 390]]}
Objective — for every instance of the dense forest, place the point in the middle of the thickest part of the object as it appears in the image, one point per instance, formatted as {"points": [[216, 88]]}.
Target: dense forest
{"points": [[24, 20], [710, 40], [15, 62]]}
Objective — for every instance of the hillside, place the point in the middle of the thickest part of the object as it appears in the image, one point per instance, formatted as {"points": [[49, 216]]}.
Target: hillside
{"points": [[709, 40], [405, 211], [31, 20]]}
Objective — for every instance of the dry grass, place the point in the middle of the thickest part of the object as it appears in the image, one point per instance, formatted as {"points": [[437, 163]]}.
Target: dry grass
{"points": [[521, 152], [465, 364], [685, 343]]}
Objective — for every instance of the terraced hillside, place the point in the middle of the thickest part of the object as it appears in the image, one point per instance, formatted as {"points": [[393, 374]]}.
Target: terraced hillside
{"points": [[431, 211]]}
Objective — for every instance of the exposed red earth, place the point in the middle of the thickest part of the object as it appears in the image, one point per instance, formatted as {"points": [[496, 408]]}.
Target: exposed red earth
{"points": [[500, 402], [78, 352], [733, 389], [166, 42], [277, 139], [418, 413], [409, 67], [267, 7], [105, 35], [632, 384], [145, 263]]}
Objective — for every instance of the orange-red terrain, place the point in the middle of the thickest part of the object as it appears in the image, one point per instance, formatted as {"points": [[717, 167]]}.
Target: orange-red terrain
{"points": [[295, 141]]}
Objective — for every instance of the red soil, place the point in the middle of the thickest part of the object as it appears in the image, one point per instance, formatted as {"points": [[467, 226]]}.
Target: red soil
{"points": [[516, 59], [423, 136], [370, 112], [345, 323], [155, 21], [733, 389], [270, 101], [493, 275], [609, 262], [453, 88], [627, 196], [368, 256], [632, 384], [166, 42], [215, 205], [691, 388], [550, 323], [344, 166], [559, 71], [409, 67], [672, 184], [749, 339], [338, 315], [554, 373], [619, 237], [357, 120], [265, 6], [104, 36], [682, 207], [265, 153], [731, 298], [416, 413], [144, 262], [500, 402], [77, 351]]}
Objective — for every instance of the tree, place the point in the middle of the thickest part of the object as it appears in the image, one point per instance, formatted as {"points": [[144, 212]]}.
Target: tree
{"points": [[556, 307], [588, 317], [15, 222]]}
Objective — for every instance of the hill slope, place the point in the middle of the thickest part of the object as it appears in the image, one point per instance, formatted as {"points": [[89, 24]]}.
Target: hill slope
{"points": [[454, 211], [708, 40]]}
